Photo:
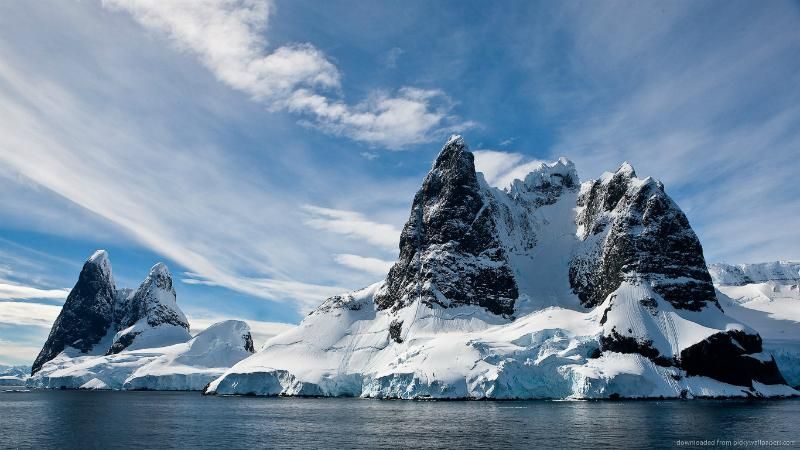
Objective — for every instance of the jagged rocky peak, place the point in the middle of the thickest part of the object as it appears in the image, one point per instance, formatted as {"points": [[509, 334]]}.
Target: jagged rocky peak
{"points": [[449, 251], [155, 300], [153, 304], [100, 261], [87, 313], [634, 231], [549, 180]]}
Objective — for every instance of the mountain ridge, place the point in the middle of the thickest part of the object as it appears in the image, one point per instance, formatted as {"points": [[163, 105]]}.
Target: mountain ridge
{"points": [[545, 289]]}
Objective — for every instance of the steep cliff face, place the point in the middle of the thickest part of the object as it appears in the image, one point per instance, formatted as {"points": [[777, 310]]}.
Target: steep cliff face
{"points": [[87, 314], [449, 251]]}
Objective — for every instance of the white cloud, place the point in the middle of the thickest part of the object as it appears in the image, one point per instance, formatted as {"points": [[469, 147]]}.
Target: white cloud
{"points": [[353, 225], [373, 266], [305, 296], [10, 290], [501, 168], [507, 142], [28, 314], [13, 353], [227, 36]]}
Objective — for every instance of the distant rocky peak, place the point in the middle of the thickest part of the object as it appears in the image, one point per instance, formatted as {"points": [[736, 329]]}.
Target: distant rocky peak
{"points": [[626, 170], [160, 277], [546, 175], [154, 300], [545, 184], [99, 257]]}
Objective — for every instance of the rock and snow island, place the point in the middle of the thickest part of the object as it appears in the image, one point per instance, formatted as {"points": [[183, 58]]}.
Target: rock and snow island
{"points": [[109, 338], [546, 289]]}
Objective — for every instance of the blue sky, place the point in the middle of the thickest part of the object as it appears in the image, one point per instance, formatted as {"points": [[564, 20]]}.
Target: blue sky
{"points": [[268, 151]]}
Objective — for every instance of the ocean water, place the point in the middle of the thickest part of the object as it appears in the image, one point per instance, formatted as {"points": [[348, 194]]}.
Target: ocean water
{"points": [[105, 420]]}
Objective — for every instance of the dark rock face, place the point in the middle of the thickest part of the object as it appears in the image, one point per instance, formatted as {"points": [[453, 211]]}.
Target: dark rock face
{"points": [[248, 343], [122, 343], [153, 301], [647, 238], [396, 330], [344, 301], [449, 252], [87, 313], [145, 302], [724, 357], [615, 342]]}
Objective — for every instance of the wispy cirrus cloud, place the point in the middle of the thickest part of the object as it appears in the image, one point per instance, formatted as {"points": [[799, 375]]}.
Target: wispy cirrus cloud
{"points": [[353, 225], [10, 290], [228, 37], [375, 266], [28, 314], [148, 184]]}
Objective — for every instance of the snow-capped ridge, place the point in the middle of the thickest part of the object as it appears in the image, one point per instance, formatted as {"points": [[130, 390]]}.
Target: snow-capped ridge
{"points": [[160, 269], [561, 173], [133, 339], [741, 274], [456, 139]]}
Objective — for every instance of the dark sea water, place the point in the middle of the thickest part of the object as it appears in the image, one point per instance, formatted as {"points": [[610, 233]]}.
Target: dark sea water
{"points": [[72, 419]]}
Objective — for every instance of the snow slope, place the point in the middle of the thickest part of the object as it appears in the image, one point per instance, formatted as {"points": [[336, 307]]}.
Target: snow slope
{"points": [[184, 366], [770, 305], [546, 289], [459, 353]]}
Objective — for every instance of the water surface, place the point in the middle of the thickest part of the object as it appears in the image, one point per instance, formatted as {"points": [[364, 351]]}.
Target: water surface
{"points": [[75, 419]]}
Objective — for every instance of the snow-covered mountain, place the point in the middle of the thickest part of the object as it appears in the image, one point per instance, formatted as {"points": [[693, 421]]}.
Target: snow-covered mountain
{"points": [[13, 375], [766, 297], [546, 289], [109, 338]]}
